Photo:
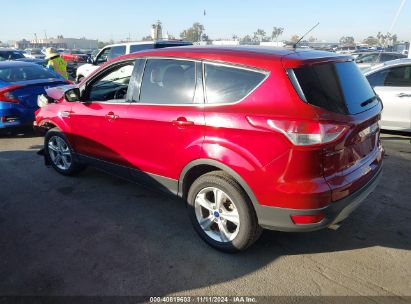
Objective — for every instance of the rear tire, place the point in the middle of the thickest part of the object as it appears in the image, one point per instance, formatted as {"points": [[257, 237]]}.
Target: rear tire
{"points": [[59, 153], [222, 213]]}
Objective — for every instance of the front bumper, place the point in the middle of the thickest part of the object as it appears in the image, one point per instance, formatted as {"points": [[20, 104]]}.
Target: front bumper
{"points": [[279, 219]]}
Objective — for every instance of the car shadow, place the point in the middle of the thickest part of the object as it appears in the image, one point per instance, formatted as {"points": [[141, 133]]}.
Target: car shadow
{"points": [[18, 132], [100, 235]]}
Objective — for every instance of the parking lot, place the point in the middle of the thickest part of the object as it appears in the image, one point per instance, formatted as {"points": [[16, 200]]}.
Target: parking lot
{"points": [[99, 235]]}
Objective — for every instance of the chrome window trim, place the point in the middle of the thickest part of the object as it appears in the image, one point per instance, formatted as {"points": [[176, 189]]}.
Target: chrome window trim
{"points": [[204, 104]]}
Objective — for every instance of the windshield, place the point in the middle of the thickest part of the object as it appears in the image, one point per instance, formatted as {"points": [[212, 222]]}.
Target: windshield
{"points": [[337, 87]]}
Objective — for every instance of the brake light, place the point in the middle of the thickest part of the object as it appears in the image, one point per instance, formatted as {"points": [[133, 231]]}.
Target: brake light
{"points": [[6, 94], [302, 132]]}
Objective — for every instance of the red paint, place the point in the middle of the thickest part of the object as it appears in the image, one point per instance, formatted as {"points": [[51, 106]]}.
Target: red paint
{"points": [[163, 139]]}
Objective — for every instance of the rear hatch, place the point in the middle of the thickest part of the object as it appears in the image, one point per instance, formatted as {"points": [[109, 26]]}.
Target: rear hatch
{"points": [[339, 92]]}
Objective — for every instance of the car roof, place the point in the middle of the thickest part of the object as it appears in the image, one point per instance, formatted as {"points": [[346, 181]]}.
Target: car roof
{"points": [[15, 64], [9, 50], [150, 42], [386, 64], [227, 52]]}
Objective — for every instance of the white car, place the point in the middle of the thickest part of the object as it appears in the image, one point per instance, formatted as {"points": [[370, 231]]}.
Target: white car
{"points": [[392, 83], [115, 50], [34, 54]]}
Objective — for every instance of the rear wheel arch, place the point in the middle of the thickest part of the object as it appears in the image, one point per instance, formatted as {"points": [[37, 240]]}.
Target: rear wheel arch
{"points": [[199, 167]]}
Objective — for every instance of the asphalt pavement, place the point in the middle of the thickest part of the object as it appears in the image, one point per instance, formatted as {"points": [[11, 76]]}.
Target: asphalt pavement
{"points": [[99, 235]]}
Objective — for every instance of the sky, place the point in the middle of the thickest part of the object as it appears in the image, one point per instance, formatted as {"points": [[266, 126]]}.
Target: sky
{"points": [[117, 20]]}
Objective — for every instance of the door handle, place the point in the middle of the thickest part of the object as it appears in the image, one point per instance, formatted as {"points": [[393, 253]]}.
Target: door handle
{"points": [[111, 116], [182, 122], [404, 95]]}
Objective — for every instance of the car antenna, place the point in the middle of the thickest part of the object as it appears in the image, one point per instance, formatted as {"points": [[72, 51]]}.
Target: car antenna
{"points": [[299, 40]]}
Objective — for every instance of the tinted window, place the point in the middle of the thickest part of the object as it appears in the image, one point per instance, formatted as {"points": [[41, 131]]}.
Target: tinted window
{"points": [[168, 81], [140, 47], [369, 58], [398, 77], [229, 84], [22, 73], [377, 79], [337, 87], [117, 51]]}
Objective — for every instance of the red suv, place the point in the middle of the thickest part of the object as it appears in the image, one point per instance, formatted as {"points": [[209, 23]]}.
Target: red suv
{"points": [[250, 138]]}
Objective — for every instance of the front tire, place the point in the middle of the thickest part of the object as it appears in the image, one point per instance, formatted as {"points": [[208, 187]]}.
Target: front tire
{"points": [[222, 213], [59, 153]]}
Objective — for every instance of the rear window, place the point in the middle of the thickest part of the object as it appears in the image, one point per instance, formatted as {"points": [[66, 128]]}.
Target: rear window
{"points": [[229, 84], [337, 87], [23, 73], [5, 55]]}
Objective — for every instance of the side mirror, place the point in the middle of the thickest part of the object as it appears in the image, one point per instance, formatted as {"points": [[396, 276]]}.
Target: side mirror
{"points": [[72, 95]]}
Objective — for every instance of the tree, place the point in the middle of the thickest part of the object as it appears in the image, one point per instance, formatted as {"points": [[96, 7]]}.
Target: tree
{"points": [[193, 33], [371, 40], [247, 39], [102, 44], [295, 38], [312, 39], [260, 35], [394, 39], [347, 40], [147, 38], [277, 32]]}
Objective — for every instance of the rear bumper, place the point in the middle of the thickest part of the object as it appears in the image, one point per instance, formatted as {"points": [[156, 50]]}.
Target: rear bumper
{"points": [[21, 116], [274, 218]]}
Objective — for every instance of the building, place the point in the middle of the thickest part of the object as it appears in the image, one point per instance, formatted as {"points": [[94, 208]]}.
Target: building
{"points": [[157, 31], [59, 42]]}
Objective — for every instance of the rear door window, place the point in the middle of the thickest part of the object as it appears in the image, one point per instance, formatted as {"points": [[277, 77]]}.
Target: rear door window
{"points": [[337, 87], [168, 81], [230, 84], [24, 73]]}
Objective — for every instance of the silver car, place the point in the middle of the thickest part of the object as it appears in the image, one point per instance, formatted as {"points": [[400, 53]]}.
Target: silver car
{"points": [[392, 82]]}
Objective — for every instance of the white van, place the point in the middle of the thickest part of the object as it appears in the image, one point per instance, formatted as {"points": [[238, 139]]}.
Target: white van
{"points": [[115, 50]]}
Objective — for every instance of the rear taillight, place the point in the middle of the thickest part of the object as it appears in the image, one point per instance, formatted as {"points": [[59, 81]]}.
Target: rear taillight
{"points": [[302, 132], [6, 94]]}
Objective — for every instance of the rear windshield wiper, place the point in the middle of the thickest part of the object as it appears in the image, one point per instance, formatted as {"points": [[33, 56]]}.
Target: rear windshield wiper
{"points": [[368, 101]]}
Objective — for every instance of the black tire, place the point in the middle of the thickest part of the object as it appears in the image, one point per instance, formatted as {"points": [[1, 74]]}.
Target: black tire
{"points": [[248, 231], [75, 166]]}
